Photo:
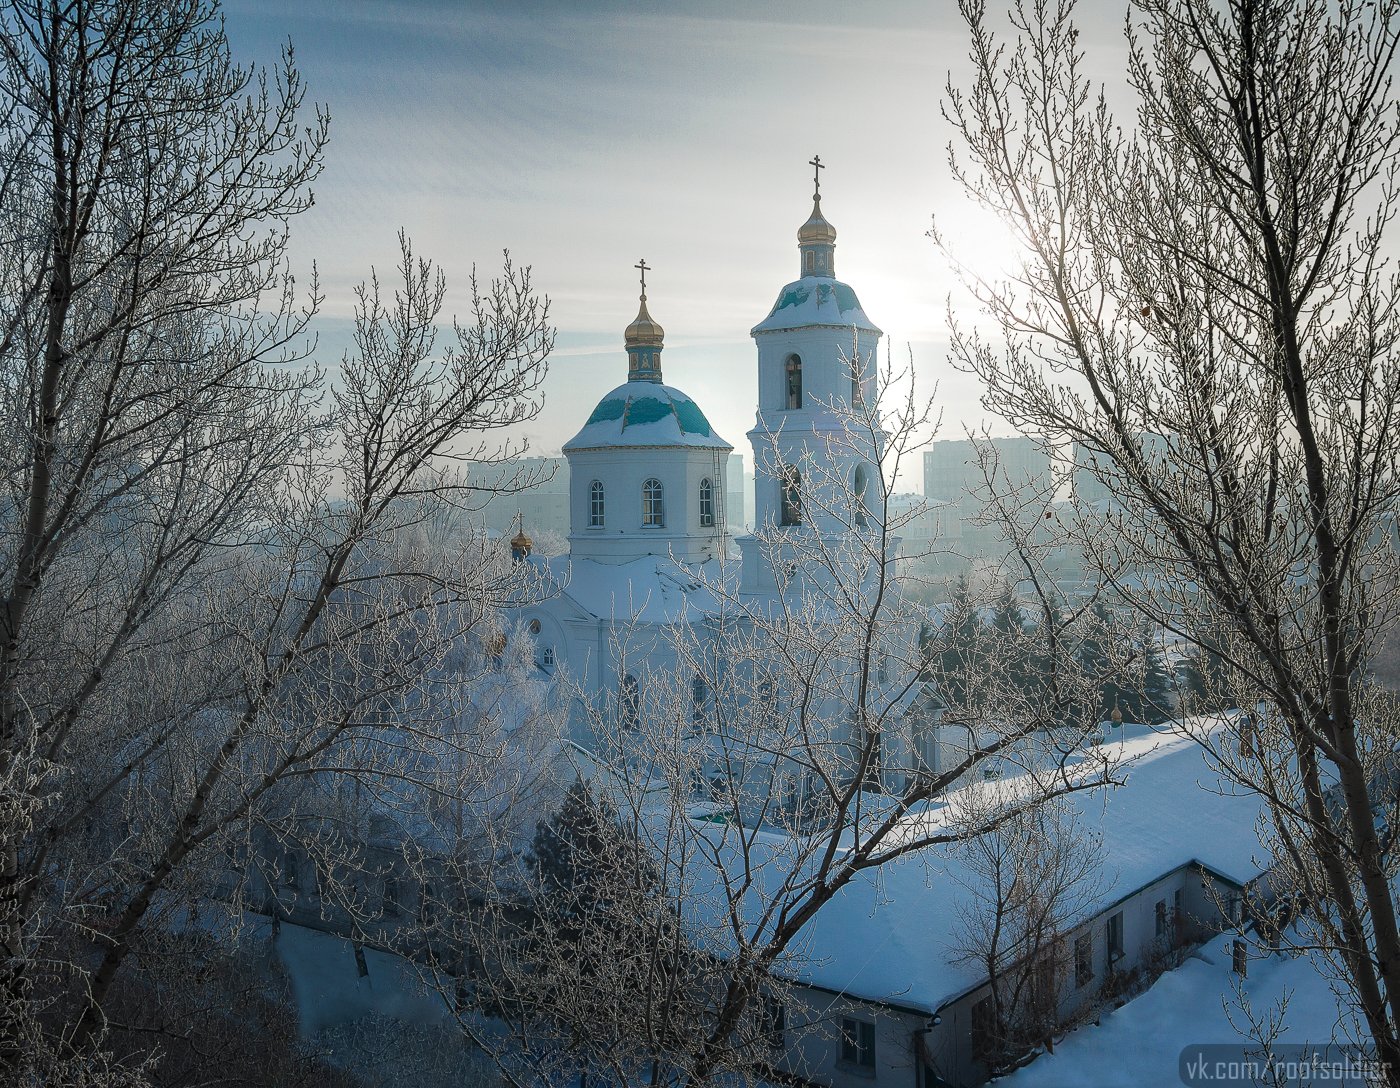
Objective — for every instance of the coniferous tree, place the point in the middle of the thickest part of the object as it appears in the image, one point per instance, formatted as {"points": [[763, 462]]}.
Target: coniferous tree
{"points": [[571, 847], [1007, 628], [956, 644]]}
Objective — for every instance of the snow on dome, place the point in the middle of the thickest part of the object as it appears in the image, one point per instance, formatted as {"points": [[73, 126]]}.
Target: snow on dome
{"points": [[645, 413], [815, 300]]}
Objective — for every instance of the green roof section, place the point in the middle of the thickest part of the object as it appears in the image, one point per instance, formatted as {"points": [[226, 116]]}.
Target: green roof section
{"points": [[609, 408], [815, 300], [646, 413], [691, 418]]}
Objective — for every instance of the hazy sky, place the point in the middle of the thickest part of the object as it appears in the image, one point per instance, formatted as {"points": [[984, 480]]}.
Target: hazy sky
{"points": [[582, 136]]}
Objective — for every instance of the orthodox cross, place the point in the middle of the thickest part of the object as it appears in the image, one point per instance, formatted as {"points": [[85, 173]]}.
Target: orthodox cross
{"points": [[816, 164], [642, 264]]}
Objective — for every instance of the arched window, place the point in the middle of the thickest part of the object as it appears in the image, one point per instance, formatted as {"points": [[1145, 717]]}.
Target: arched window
{"points": [[707, 502], [859, 485], [653, 508], [595, 505], [794, 381], [699, 698], [791, 505], [629, 701]]}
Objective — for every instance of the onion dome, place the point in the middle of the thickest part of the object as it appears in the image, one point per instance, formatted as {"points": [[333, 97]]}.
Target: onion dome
{"points": [[643, 340], [816, 238], [520, 544], [644, 332], [817, 298], [816, 230]]}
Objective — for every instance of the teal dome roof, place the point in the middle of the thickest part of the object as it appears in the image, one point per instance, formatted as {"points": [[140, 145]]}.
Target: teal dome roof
{"points": [[815, 300], [646, 413]]}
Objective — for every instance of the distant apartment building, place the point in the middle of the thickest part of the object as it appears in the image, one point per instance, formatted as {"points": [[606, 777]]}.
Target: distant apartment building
{"points": [[955, 485]]}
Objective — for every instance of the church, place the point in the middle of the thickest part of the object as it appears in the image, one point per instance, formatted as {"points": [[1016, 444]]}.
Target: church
{"points": [[653, 575]]}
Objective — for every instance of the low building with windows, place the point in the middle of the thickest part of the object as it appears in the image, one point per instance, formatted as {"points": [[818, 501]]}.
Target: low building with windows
{"points": [[885, 992]]}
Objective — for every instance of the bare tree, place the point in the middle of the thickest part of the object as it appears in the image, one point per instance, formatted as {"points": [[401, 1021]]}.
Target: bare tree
{"points": [[1204, 314], [217, 584], [1028, 881]]}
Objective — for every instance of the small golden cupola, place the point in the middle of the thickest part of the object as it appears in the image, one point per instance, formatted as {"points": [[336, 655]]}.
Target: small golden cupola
{"points": [[644, 340], [816, 238], [520, 545]]}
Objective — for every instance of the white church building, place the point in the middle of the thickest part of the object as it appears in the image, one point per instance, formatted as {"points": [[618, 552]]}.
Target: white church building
{"points": [[651, 563]]}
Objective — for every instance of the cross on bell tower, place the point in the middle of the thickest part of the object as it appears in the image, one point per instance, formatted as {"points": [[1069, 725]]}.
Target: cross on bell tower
{"points": [[816, 240]]}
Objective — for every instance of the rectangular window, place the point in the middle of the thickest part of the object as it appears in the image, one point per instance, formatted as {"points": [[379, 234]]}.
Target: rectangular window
{"points": [[1084, 959], [774, 1022], [858, 1042], [1159, 913], [1115, 938], [389, 898]]}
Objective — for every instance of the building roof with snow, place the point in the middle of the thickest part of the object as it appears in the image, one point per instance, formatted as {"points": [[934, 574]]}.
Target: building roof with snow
{"points": [[889, 937], [646, 413], [815, 300]]}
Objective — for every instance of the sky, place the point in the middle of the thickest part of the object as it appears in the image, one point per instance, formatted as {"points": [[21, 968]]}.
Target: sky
{"points": [[583, 136]]}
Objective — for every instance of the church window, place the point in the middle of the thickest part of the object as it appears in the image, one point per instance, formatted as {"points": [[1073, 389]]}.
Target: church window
{"points": [[707, 502], [699, 697], [859, 485], [595, 505], [790, 512], [856, 398], [794, 381], [629, 701], [653, 508], [807, 261]]}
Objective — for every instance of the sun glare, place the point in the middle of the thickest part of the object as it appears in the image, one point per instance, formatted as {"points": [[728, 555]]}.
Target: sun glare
{"points": [[979, 240]]}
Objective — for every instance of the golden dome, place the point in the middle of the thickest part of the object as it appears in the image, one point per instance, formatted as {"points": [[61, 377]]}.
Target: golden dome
{"points": [[644, 332], [521, 544], [816, 231]]}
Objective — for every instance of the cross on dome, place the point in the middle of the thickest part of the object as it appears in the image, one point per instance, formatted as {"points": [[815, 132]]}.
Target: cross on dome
{"points": [[815, 162], [643, 339]]}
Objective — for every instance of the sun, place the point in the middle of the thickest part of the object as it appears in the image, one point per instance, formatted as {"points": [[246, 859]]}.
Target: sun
{"points": [[978, 240]]}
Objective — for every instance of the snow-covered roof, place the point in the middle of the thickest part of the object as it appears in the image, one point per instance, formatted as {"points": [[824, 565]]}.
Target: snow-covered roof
{"points": [[889, 936], [646, 413], [651, 589], [815, 300]]}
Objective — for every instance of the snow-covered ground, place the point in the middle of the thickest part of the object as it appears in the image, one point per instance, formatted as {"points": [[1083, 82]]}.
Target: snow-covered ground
{"points": [[329, 989], [1140, 1045]]}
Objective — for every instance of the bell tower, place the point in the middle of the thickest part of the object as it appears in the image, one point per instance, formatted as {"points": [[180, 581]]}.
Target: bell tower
{"points": [[816, 371]]}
